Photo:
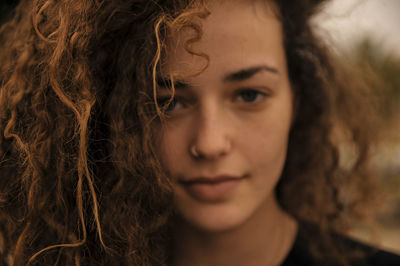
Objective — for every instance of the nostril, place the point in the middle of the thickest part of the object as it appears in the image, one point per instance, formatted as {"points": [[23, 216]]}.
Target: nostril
{"points": [[194, 151], [211, 149], [212, 137]]}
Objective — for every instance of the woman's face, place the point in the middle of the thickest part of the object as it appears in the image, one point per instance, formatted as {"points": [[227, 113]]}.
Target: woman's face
{"points": [[224, 143]]}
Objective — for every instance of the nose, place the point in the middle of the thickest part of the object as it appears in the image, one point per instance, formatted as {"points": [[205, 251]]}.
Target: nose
{"points": [[212, 136]]}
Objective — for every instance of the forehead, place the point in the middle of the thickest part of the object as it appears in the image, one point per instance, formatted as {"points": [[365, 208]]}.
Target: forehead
{"points": [[235, 32], [241, 12]]}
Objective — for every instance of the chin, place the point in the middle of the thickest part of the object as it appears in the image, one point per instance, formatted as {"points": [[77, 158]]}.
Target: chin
{"points": [[215, 218]]}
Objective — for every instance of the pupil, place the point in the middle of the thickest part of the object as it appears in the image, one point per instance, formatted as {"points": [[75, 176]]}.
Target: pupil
{"points": [[171, 106], [249, 96], [163, 103]]}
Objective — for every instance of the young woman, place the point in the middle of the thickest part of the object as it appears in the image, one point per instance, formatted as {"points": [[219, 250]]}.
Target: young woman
{"points": [[178, 133]]}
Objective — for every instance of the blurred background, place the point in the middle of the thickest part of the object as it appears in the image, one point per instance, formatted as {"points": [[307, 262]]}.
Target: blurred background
{"points": [[367, 34]]}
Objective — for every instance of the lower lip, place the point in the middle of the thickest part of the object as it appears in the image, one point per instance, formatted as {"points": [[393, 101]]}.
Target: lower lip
{"points": [[212, 192]]}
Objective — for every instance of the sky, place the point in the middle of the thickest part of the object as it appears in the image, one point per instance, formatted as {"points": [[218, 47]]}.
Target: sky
{"points": [[346, 21]]}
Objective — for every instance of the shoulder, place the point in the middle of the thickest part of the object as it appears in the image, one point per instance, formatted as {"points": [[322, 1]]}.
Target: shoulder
{"points": [[371, 255], [356, 252], [384, 258], [377, 257]]}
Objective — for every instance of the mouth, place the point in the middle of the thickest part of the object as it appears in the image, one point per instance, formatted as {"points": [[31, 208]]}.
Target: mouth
{"points": [[211, 188]]}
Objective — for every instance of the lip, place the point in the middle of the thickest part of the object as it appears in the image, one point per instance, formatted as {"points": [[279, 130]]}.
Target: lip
{"points": [[211, 188]]}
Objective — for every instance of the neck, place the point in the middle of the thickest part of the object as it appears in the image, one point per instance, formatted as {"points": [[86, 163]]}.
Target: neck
{"points": [[264, 239]]}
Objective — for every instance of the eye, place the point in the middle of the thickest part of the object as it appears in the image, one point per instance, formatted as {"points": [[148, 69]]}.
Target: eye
{"points": [[249, 95], [168, 105]]}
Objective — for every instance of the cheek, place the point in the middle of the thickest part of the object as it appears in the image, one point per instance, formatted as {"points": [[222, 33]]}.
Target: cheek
{"points": [[270, 148], [266, 143], [171, 148], [167, 151], [267, 158]]}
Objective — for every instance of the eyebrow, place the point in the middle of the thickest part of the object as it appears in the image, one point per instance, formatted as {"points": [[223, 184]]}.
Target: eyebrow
{"points": [[240, 75], [167, 83], [247, 73]]}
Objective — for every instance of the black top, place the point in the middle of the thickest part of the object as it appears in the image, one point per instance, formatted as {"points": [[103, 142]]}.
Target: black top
{"points": [[301, 256]]}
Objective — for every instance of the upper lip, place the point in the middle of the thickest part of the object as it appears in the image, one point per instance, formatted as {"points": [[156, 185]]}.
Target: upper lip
{"points": [[209, 179]]}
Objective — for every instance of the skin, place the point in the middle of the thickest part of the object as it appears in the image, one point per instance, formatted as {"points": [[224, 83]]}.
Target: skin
{"points": [[231, 120]]}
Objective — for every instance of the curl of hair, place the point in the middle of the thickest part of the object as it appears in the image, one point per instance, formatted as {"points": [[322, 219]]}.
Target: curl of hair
{"points": [[335, 120], [80, 181]]}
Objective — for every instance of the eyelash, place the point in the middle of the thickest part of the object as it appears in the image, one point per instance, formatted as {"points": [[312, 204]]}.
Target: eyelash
{"points": [[258, 95], [168, 105], [239, 96]]}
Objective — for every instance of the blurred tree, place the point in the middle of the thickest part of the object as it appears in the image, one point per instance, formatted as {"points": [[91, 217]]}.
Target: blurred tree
{"points": [[382, 71]]}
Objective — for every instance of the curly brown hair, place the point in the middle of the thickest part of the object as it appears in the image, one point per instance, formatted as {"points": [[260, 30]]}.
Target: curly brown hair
{"points": [[80, 181]]}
